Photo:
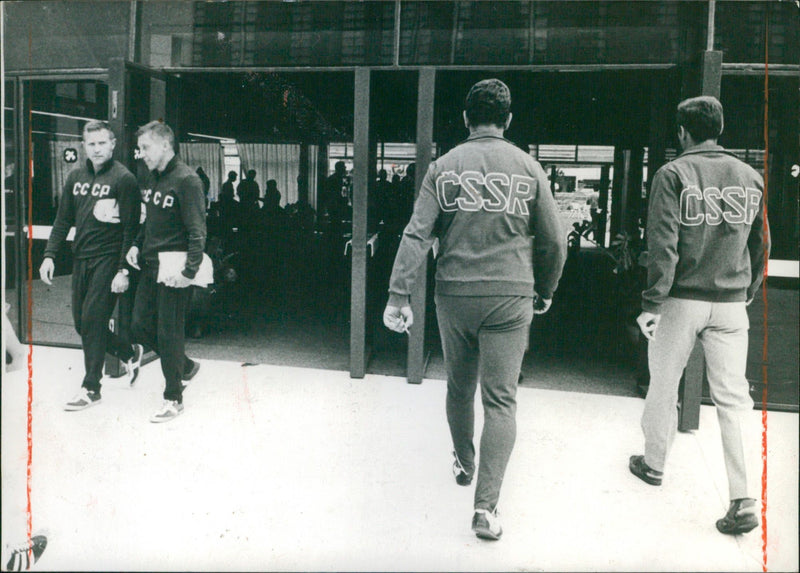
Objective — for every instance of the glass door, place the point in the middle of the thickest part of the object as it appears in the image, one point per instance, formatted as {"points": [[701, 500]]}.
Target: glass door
{"points": [[44, 150]]}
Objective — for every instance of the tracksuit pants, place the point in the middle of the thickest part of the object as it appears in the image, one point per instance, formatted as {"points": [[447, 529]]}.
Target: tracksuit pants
{"points": [[159, 319], [484, 340], [722, 330], [92, 307]]}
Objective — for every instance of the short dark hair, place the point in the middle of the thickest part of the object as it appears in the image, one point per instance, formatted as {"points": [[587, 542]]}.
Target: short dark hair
{"points": [[96, 125], [488, 102], [701, 117], [158, 128]]}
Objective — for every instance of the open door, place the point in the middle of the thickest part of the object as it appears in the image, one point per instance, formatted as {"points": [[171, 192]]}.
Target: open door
{"points": [[137, 95]]}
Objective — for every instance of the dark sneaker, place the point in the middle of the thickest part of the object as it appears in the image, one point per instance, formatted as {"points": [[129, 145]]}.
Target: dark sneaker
{"points": [[193, 370], [132, 366], [22, 556], [644, 472], [742, 517], [82, 400], [461, 475], [169, 410], [486, 524]]}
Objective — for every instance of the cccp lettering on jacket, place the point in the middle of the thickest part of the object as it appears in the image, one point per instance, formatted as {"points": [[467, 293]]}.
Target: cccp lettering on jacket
{"points": [[159, 199], [95, 190]]}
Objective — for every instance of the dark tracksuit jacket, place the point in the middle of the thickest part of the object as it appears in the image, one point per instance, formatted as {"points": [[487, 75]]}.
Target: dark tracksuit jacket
{"points": [[174, 221], [707, 237], [93, 238], [99, 250]]}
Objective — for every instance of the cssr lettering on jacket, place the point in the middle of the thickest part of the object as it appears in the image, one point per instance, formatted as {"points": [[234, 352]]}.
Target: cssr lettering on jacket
{"points": [[95, 190], [509, 194], [734, 205], [159, 199]]}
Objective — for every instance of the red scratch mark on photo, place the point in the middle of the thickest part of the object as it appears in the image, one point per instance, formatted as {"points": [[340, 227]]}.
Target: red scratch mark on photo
{"points": [[29, 465], [764, 348]]}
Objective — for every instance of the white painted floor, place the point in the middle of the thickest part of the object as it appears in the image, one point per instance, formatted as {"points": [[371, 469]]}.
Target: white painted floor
{"points": [[276, 468]]}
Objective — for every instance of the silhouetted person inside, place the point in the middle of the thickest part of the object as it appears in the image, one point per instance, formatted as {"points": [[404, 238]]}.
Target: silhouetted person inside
{"points": [[228, 208], [335, 198], [380, 201], [206, 182], [227, 187], [272, 197], [249, 191]]}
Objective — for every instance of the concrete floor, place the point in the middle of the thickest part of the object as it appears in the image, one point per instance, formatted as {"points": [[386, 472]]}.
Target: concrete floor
{"points": [[281, 468]]}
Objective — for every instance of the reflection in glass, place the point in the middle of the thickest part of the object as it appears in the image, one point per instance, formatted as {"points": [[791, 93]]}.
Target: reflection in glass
{"points": [[57, 112]]}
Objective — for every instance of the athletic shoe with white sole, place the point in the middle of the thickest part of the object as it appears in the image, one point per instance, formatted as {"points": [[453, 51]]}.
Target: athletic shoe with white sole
{"points": [[742, 517], [133, 365], [462, 476], [486, 524], [82, 400], [22, 556], [169, 410]]}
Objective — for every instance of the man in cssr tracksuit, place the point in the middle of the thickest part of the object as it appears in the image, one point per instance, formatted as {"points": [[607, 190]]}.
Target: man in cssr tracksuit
{"points": [[101, 200], [175, 222], [707, 240], [489, 203]]}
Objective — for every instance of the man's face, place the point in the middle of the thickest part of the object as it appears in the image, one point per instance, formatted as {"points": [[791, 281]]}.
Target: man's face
{"points": [[153, 150], [99, 146]]}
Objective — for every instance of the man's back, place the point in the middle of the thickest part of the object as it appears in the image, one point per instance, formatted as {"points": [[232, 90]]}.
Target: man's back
{"points": [[711, 202], [488, 191]]}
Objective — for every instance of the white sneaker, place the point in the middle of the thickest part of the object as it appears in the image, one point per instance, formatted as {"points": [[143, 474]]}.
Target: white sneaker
{"points": [[22, 556], [486, 524], [82, 400], [169, 410], [132, 366]]}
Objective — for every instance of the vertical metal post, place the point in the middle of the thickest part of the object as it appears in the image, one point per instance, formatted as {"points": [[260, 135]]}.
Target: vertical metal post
{"points": [[117, 108], [711, 66], [710, 30], [692, 387], [19, 179], [21, 128], [135, 33], [358, 288], [416, 345], [304, 175], [396, 50]]}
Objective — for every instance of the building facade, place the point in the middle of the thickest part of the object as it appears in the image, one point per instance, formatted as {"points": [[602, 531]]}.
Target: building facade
{"points": [[595, 84]]}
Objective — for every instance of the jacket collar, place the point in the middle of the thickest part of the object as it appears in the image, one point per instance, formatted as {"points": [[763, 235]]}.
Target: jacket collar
{"points": [[704, 147], [169, 167], [478, 136], [103, 168]]}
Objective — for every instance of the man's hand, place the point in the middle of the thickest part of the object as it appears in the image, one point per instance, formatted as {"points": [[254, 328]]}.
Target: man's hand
{"points": [[46, 270], [398, 319], [133, 257], [120, 283], [648, 323], [177, 281], [541, 305]]}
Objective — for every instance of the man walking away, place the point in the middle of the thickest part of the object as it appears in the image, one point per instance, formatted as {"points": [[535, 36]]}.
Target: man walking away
{"points": [[490, 206], [707, 240]]}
